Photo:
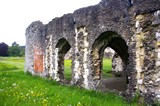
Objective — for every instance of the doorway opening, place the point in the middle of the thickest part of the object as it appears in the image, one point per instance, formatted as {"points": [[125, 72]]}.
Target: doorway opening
{"points": [[107, 69], [64, 69]]}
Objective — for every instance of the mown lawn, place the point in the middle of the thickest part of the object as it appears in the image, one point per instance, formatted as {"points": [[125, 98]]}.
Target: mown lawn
{"points": [[106, 68], [21, 89]]}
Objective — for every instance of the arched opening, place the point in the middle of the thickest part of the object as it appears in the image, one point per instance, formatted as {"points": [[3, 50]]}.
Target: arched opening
{"points": [[62, 48], [115, 42]]}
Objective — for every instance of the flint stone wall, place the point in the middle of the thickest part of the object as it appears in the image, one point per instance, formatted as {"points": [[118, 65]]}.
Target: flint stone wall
{"points": [[130, 27]]}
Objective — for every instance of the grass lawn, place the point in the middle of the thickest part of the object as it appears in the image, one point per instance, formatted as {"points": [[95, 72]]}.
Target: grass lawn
{"points": [[21, 89], [106, 68]]}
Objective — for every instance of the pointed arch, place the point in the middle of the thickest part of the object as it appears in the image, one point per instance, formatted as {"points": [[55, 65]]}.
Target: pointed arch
{"points": [[107, 39], [62, 48]]}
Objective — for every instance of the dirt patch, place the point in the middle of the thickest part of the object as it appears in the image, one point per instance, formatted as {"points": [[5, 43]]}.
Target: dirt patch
{"points": [[113, 84], [117, 83]]}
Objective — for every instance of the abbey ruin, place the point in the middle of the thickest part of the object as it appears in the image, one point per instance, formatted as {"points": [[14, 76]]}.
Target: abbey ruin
{"points": [[130, 27]]}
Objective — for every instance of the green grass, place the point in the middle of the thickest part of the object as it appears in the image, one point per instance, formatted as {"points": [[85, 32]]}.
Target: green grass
{"points": [[7, 67], [106, 68], [107, 65], [14, 61], [21, 89], [67, 69]]}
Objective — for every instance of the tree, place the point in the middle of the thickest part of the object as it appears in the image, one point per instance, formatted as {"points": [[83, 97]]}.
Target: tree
{"points": [[16, 50], [22, 48], [3, 49]]}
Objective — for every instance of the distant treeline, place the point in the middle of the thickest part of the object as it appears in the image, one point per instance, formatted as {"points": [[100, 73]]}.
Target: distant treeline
{"points": [[14, 50]]}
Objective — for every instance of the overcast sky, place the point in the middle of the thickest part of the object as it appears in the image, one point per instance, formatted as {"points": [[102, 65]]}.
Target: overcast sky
{"points": [[17, 15]]}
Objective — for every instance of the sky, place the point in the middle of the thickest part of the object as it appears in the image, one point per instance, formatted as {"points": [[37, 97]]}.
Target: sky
{"points": [[17, 15]]}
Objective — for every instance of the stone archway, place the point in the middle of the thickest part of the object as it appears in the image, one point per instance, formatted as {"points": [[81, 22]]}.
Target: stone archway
{"points": [[138, 23], [61, 49], [114, 41]]}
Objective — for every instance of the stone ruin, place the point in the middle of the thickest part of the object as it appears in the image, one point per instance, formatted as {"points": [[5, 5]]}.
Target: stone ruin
{"points": [[130, 27]]}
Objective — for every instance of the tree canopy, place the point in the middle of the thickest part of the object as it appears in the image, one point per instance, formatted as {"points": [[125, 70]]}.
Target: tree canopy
{"points": [[3, 49], [16, 50]]}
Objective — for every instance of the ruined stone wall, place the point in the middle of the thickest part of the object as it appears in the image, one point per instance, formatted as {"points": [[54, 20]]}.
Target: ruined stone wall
{"points": [[129, 28], [69, 54], [35, 48], [58, 29], [146, 36], [108, 53], [117, 65]]}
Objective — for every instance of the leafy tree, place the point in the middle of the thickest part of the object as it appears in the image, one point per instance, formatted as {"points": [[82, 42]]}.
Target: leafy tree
{"points": [[3, 49], [22, 50], [16, 50], [15, 44]]}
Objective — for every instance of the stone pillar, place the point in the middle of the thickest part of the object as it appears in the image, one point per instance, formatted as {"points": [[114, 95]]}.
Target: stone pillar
{"points": [[157, 75], [117, 65], [147, 56], [81, 62], [34, 54], [139, 53], [157, 72], [56, 75], [49, 56]]}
